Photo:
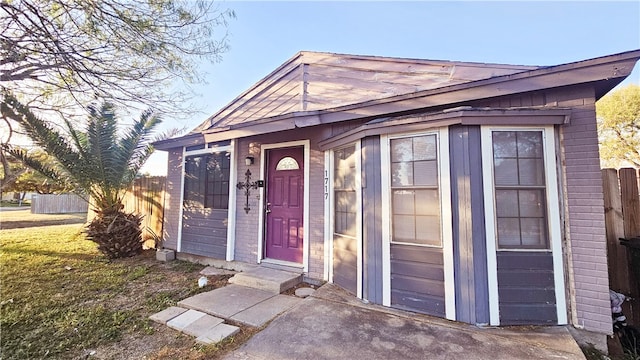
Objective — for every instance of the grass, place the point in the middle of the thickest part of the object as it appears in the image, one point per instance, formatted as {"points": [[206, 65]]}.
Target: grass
{"points": [[61, 299], [13, 219], [14, 203]]}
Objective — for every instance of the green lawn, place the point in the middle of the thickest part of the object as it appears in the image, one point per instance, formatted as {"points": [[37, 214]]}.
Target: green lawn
{"points": [[61, 299]]}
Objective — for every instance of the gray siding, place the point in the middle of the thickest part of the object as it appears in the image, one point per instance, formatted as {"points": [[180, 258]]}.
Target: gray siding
{"points": [[345, 262], [372, 220], [470, 256], [204, 232], [526, 288], [417, 279]]}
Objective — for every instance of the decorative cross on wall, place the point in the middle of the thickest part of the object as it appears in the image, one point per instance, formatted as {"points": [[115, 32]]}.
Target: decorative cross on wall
{"points": [[247, 185]]}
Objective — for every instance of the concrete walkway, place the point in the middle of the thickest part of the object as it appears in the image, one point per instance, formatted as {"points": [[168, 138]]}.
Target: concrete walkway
{"points": [[203, 315], [331, 324]]}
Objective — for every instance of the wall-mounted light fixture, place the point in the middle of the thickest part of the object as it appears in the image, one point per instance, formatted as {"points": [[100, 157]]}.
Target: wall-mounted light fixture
{"points": [[248, 160]]}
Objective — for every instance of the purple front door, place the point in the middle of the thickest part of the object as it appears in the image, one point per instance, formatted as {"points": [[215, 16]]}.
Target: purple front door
{"points": [[285, 204]]}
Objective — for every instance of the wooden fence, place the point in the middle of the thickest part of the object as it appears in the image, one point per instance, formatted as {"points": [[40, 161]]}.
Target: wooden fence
{"points": [[146, 197], [622, 220], [58, 204]]}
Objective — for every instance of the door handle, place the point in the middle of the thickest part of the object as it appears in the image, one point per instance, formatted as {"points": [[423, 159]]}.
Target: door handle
{"points": [[267, 209]]}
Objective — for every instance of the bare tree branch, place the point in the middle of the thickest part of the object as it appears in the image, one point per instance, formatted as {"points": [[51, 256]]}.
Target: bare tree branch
{"points": [[59, 55]]}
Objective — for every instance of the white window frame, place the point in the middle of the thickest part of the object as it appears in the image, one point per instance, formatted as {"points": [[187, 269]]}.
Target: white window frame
{"points": [[446, 230], [553, 218], [231, 209]]}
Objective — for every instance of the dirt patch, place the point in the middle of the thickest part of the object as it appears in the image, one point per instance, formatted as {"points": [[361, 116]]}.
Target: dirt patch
{"points": [[159, 286]]}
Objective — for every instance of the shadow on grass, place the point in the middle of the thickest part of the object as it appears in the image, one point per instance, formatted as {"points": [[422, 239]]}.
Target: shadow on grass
{"points": [[5, 225], [64, 255]]}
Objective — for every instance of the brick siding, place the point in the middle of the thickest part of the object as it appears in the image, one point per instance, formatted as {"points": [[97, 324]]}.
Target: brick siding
{"points": [[172, 199]]}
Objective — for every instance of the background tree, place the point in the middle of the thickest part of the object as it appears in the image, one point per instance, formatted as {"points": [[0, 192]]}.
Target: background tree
{"points": [[98, 162], [56, 56], [618, 116], [62, 54]]}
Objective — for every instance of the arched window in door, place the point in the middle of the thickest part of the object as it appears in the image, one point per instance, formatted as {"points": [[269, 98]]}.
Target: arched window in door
{"points": [[287, 163]]}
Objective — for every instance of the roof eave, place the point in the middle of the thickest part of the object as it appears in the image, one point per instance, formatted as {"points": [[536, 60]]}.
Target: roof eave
{"points": [[186, 140]]}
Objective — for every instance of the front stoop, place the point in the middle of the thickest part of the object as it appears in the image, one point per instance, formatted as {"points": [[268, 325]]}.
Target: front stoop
{"points": [[271, 280], [253, 298]]}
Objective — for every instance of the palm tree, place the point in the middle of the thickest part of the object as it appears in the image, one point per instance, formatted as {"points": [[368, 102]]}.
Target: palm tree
{"points": [[100, 163]]}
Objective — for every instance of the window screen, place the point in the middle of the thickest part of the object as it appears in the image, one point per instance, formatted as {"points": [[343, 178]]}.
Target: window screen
{"points": [[415, 192], [207, 181], [344, 187], [519, 180]]}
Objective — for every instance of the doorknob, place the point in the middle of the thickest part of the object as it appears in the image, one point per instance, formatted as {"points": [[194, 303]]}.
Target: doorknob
{"points": [[267, 209]]}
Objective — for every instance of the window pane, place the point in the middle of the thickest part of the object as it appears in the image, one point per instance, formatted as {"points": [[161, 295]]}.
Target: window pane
{"points": [[401, 150], [194, 182], [404, 228], [533, 233], [505, 171], [424, 148], [529, 144], [508, 232], [531, 172], [287, 163], [504, 144], [402, 174], [428, 230], [427, 202], [532, 203], [507, 203], [403, 202], [425, 173]]}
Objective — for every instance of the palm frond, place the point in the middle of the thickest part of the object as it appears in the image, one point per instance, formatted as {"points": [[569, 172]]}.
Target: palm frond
{"points": [[133, 148], [41, 133]]}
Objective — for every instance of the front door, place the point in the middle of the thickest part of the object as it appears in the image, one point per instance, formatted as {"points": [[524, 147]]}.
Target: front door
{"points": [[285, 207]]}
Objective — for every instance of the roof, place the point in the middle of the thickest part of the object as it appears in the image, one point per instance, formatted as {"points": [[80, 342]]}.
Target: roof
{"points": [[317, 81], [313, 88]]}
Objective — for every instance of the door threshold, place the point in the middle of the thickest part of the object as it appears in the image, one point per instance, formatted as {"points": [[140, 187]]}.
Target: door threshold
{"points": [[282, 265]]}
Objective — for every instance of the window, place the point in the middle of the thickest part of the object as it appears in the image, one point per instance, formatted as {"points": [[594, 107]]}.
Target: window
{"points": [[344, 191], [519, 188], [207, 181], [287, 163], [415, 199]]}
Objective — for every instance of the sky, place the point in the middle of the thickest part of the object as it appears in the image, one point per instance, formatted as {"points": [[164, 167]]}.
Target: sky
{"points": [[265, 34]]}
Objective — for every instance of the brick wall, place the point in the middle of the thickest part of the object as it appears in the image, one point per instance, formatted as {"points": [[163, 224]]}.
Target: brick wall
{"points": [[316, 215], [584, 214], [246, 248], [172, 199], [247, 231]]}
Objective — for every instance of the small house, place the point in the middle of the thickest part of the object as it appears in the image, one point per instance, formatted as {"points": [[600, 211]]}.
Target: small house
{"points": [[467, 191]]}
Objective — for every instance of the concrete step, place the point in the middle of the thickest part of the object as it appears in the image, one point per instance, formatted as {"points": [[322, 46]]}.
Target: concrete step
{"points": [[267, 279], [206, 328]]}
